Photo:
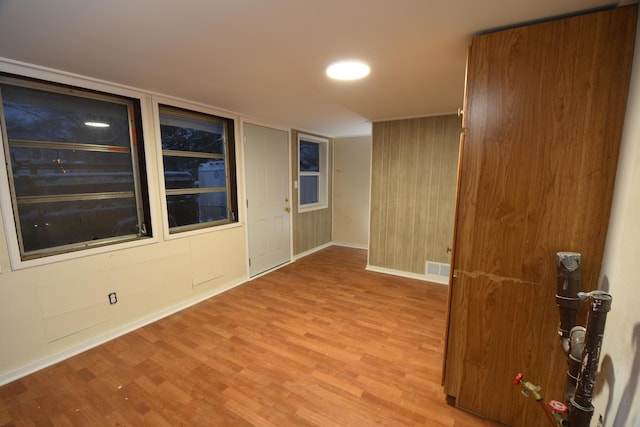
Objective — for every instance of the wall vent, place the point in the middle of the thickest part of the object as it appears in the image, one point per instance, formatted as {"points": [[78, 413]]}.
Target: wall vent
{"points": [[437, 272]]}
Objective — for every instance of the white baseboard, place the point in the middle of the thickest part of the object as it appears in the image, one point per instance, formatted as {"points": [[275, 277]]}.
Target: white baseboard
{"points": [[312, 250], [52, 359], [351, 245], [409, 275]]}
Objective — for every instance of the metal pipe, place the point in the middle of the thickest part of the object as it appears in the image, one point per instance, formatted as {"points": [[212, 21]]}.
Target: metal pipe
{"points": [[568, 266], [576, 348], [581, 406]]}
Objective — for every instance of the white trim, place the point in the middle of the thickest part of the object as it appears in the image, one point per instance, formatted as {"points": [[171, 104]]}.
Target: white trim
{"points": [[352, 245], [52, 359], [311, 251], [406, 274], [156, 100], [271, 270], [323, 173]]}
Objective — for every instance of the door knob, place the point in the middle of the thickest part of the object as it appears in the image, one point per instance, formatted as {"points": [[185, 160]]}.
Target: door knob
{"points": [[287, 209]]}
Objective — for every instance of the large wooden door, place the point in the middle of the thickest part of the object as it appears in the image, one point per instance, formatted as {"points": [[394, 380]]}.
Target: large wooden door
{"points": [[544, 115]]}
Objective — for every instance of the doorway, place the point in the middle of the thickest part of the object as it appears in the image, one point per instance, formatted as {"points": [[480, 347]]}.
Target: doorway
{"points": [[267, 171]]}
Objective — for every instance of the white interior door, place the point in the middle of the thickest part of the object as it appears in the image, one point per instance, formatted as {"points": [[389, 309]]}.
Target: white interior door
{"points": [[266, 153]]}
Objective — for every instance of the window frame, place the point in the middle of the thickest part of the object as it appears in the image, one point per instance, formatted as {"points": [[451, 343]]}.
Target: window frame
{"points": [[322, 174], [71, 84], [231, 169]]}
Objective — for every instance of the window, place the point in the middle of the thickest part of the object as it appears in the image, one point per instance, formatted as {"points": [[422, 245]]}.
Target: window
{"points": [[198, 158], [312, 189], [74, 167]]}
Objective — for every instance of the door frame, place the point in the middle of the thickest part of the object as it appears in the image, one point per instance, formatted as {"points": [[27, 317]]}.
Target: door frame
{"points": [[243, 202]]}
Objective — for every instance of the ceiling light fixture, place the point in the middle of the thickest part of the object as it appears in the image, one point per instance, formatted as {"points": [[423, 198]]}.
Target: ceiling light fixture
{"points": [[97, 124], [348, 70]]}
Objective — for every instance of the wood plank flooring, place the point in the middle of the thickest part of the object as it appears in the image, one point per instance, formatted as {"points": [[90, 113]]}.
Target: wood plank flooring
{"points": [[320, 342]]}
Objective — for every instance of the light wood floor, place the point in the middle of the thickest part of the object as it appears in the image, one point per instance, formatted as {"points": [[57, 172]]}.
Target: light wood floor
{"points": [[320, 342]]}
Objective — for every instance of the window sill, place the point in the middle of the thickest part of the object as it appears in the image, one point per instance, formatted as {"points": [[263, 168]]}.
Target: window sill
{"points": [[198, 231], [18, 264], [310, 208]]}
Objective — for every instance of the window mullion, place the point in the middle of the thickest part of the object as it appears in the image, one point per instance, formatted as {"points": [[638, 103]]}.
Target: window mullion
{"points": [[52, 145], [30, 200], [194, 154]]}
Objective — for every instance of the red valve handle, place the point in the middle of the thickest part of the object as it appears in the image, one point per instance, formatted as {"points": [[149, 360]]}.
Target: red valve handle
{"points": [[558, 407], [518, 378]]}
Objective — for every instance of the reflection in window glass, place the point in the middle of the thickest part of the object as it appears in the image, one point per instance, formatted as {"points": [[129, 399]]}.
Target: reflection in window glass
{"points": [[46, 225], [312, 173], [34, 114], [309, 156], [73, 168], [199, 170], [308, 189]]}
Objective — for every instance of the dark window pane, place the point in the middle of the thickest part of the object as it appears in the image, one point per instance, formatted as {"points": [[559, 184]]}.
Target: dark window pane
{"points": [[193, 172], [213, 206], [191, 135], [52, 117], [188, 209], [183, 210], [309, 189], [46, 225], [196, 155], [73, 175], [309, 156], [39, 172]]}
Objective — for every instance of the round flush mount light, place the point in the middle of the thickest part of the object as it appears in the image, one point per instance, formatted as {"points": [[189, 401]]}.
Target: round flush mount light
{"points": [[348, 70]]}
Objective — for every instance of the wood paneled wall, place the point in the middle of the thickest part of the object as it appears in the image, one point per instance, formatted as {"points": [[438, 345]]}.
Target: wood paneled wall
{"points": [[310, 229], [413, 186]]}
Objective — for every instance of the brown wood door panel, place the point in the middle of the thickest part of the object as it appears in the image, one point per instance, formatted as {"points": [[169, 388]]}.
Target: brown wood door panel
{"points": [[544, 115], [493, 311], [450, 379]]}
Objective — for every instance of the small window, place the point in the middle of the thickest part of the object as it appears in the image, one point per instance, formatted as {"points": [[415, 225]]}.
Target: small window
{"points": [[198, 159], [73, 167], [312, 190]]}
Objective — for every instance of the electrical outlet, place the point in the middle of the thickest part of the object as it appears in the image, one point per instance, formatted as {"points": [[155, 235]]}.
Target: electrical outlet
{"points": [[113, 298]]}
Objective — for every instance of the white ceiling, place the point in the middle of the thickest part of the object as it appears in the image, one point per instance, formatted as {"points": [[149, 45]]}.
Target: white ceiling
{"points": [[265, 59]]}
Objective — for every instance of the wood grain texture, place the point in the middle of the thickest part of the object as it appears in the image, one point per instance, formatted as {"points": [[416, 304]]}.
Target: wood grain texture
{"points": [[320, 342], [311, 229], [544, 114], [413, 192]]}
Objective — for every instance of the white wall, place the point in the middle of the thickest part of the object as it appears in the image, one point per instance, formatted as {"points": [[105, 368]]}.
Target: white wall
{"points": [[617, 396], [49, 312], [351, 190]]}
